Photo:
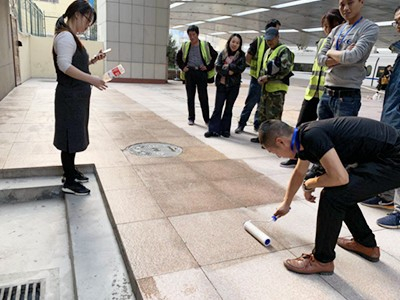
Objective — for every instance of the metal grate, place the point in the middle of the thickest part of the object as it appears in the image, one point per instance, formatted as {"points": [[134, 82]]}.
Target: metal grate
{"points": [[28, 291], [155, 149]]}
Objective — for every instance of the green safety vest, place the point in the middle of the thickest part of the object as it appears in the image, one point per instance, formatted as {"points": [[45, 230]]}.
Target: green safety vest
{"points": [[205, 53], [274, 85], [256, 60], [317, 78]]}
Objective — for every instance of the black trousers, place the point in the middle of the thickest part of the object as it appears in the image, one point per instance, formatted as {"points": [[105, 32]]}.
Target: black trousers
{"points": [[68, 164], [197, 78], [224, 96], [338, 204], [308, 111]]}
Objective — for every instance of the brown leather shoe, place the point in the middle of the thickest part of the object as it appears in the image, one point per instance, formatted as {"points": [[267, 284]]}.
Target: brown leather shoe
{"points": [[307, 264], [370, 253]]}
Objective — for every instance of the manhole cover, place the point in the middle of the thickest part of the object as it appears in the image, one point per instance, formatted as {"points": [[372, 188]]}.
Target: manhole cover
{"points": [[155, 149]]}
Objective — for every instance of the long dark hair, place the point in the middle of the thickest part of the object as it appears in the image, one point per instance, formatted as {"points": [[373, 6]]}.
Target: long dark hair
{"points": [[333, 17], [228, 49], [81, 6]]}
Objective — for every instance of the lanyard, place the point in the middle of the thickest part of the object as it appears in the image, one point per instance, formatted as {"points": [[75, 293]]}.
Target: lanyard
{"points": [[347, 32], [295, 140]]}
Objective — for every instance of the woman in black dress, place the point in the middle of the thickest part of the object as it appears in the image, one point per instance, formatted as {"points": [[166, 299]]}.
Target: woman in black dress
{"points": [[73, 91]]}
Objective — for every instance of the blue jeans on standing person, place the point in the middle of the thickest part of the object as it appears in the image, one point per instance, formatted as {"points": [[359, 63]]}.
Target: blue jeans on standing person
{"points": [[337, 103], [225, 95], [253, 98]]}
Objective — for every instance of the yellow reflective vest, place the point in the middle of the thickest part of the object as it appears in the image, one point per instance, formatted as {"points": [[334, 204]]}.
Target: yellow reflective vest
{"points": [[274, 85], [205, 54], [257, 60], [317, 79]]}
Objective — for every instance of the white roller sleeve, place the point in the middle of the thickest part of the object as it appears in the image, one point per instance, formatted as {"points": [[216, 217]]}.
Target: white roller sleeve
{"points": [[257, 233]]}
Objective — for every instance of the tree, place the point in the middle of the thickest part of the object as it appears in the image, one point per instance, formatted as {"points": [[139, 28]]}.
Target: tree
{"points": [[171, 52]]}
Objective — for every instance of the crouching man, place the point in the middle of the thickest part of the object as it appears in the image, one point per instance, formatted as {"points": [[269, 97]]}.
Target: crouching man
{"points": [[361, 158]]}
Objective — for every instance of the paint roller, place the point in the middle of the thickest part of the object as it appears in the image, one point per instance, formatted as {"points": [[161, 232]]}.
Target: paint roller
{"points": [[257, 233]]}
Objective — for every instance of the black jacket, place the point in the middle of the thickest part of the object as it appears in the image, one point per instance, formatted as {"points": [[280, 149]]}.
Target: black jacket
{"points": [[237, 66]]}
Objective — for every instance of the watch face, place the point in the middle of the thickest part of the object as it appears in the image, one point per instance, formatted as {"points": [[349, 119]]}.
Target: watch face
{"points": [[395, 47]]}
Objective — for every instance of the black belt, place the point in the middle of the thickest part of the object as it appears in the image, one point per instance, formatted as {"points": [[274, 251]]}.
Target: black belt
{"points": [[342, 93], [194, 68]]}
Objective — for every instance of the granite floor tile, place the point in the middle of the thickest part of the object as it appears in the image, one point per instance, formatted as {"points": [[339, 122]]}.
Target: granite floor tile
{"points": [[219, 236], [187, 284], [200, 153], [195, 197], [265, 277], [153, 175], [227, 169], [133, 205], [251, 191], [154, 248], [119, 178]]}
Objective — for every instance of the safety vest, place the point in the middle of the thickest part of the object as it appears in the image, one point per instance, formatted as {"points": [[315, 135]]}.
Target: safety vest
{"points": [[317, 79], [205, 53], [274, 85], [257, 59]]}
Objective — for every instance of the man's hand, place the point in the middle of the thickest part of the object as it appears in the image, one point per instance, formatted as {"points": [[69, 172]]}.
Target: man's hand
{"points": [[262, 79], [203, 68], [185, 69], [282, 210], [308, 192], [330, 62]]}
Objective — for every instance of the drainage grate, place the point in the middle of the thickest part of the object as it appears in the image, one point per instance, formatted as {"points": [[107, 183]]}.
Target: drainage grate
{"points": [[29, 291], [155, 149]]}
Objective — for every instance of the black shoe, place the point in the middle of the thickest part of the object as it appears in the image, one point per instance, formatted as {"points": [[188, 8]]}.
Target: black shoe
{"points": [[226, 134], [211, 134], [239, 129], [191, 122], [75, 188], [290, 163], [255, 140], [79, 177], [315, 171]]}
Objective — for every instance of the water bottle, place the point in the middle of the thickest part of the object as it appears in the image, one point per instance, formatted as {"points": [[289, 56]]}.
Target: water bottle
{"points": [[113, 73]]}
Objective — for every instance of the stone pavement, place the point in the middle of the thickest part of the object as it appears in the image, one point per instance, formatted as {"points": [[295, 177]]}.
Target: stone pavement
{"points": [[179, 220]]}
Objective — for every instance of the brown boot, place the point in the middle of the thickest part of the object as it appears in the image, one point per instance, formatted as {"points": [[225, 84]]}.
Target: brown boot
{"points": [[307, 264], [370, 253]]}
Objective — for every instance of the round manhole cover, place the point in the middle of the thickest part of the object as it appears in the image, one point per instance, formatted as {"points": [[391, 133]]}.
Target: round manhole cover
{"points": [[155, 149]]}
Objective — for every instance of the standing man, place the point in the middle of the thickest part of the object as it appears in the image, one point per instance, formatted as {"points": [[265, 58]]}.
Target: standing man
{"points": [[373, 150], [277, 69], [196, 60], [255, 58], [390, 115], [345, 53]]}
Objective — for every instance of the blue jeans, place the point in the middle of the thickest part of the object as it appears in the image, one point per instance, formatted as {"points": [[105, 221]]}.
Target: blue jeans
{"points": [[337, 106], [253, 98]]}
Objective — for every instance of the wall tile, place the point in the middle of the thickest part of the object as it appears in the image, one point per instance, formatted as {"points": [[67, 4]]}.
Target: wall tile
{"points": [[137, 33], [160, 71], [148, 70], [149, 54], [149, 15], [125, 32], [137, 52], [125, 53], [125, 13], [149, 35], [112, 11], [137, 14], [160, 55], [162, 17], [162, 35], [113, 31], [137, 70]]}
